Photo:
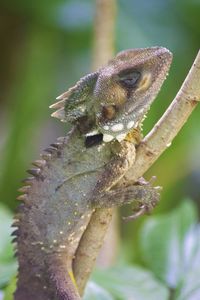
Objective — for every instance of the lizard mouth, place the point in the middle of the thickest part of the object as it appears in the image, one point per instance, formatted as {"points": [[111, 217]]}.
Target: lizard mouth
{"points": [[120, 127]]}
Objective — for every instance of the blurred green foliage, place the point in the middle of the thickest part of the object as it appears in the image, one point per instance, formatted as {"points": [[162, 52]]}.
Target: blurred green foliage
{"points": [[46, 47], [7, 263]]}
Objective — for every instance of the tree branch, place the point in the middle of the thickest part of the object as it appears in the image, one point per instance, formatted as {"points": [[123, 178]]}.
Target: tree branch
{"points": [[152, 146]]}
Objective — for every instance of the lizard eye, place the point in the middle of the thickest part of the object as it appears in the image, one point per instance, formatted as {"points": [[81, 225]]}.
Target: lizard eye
{"points": [[129, 79]]}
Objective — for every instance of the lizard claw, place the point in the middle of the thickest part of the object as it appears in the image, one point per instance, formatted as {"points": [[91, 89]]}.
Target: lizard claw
{"points": [[137, 214], [152, 180], [142, 181], [158, 188], [143, 209]]}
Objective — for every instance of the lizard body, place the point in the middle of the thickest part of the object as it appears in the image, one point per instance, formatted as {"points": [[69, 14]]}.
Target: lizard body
{"points": [[80, 172]]}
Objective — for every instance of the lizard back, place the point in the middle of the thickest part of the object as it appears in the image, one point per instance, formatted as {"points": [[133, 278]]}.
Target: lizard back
{"points": [[56, 209]]}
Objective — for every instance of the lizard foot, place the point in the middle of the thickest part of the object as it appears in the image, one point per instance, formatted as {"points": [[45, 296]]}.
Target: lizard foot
{"points": [[144, 207]]}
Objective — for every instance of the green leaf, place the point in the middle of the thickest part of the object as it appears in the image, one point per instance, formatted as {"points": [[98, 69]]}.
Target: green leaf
{"points": [[8, 295], [8, 265], [1, 295], [95, 292], [161, 242], [5, 231], [7, 270], [131, 283], [189, 285]]}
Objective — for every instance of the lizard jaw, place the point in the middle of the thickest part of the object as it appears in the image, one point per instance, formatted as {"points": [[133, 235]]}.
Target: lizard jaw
{"points": [[118, 132]]}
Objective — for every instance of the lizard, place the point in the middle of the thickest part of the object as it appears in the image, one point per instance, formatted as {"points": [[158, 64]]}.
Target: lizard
{"points": [[80, 172]]}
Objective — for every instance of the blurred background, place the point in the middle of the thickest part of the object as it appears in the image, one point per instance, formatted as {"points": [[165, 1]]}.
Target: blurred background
{"points": [[46, 46]]}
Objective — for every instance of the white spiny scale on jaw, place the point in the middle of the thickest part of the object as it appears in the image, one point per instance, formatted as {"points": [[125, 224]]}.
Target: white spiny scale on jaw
{"points": [[130, 124], [117, 127], [120, 137], [107, 138]]}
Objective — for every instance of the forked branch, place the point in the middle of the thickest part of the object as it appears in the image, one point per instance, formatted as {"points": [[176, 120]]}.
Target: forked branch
{"points": [[152, 146]]}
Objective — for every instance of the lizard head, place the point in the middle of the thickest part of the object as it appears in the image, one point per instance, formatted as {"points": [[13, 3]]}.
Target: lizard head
{"points": [[126, 87], [117, 96]]}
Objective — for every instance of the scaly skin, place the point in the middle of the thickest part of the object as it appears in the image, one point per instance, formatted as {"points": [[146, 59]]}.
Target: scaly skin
{"points": [[79, 172]]}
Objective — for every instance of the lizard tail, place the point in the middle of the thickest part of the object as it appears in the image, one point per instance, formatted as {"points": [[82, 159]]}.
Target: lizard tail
{"points": [[62, 279], [55, 282]]}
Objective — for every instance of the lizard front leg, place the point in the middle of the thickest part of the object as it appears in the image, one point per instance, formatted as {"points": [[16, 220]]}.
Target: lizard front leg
{"points": [[123, 159], [108, 193], [145, 197]]}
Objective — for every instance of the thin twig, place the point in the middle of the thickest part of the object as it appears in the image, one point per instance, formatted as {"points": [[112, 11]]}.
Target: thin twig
{"points": [[93, 238], [103, 44]]}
